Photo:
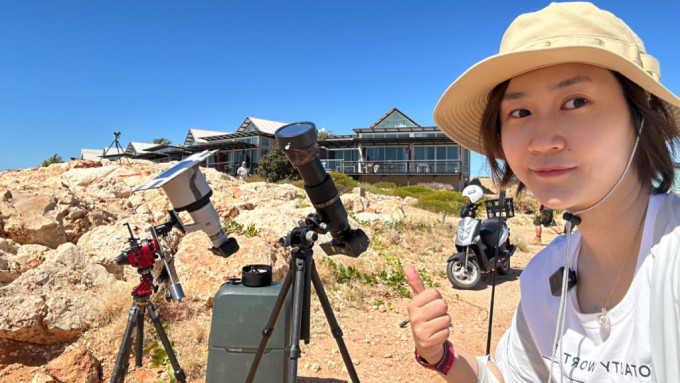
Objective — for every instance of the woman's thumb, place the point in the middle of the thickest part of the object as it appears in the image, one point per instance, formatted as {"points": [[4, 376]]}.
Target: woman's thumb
{"points": [[413, 279]]}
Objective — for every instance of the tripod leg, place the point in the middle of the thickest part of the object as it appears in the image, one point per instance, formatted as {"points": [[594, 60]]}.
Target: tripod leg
{"points": [[306, 301], [333, 323], [179, 373], [121, 366], [298, 298], [139, 339], [269, 327]]}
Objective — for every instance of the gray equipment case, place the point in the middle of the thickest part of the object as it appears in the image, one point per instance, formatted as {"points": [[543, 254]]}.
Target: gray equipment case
{"points": [[240, 313]]}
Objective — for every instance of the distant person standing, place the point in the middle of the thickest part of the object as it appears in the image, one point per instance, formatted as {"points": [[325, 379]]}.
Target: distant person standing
{"points": [[544, 217], [242, 172]]}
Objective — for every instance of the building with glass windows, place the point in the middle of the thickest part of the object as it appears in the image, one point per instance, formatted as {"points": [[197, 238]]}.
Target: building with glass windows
{"points": [[394, 149], [397, 149]]}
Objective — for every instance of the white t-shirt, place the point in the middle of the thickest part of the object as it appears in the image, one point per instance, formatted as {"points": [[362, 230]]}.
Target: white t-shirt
{"points": [[242, 172], [617, 352]]}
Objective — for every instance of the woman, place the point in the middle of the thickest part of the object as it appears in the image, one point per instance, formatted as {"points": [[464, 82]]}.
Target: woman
{"points": [[573, 107]]}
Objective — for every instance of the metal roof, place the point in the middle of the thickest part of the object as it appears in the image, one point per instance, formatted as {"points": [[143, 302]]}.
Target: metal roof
{"points": [[138, 147], [91, 154], [220, 145], [165, 148], [265, 126], [199, 135], [237, 135]]}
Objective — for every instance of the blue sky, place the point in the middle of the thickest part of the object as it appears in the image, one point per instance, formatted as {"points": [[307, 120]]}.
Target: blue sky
{"points": [[74, 72]]}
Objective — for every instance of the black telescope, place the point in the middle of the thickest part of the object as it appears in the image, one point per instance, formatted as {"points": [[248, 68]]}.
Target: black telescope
{"points": [[298, 142]]}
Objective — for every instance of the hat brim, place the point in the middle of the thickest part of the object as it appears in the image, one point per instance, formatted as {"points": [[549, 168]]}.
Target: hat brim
{"points": [[459, 111]]}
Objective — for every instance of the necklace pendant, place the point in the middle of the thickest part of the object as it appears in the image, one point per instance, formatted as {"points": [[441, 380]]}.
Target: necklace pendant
{"points": [[602, 318]]}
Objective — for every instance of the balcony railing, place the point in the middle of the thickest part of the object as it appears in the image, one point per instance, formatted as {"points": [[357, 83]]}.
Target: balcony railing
{"points": [[395, 167], [355, 168]]}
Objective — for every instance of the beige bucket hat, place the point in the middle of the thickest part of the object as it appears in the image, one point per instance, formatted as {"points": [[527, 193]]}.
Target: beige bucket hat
{"points": [[559, 33]]}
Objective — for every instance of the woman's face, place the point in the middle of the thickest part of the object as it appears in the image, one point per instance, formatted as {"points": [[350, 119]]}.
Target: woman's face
{"points": [[566, 133]]}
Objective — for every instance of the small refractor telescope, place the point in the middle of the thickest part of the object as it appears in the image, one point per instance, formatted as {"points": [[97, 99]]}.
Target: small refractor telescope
{"points": [[298, 143]]}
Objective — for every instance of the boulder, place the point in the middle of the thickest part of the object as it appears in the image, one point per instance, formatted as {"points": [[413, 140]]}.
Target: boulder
{"points": [[55, 301], [33, 220], [15, 260], [85, 176], [41, 377], [78, 365]]}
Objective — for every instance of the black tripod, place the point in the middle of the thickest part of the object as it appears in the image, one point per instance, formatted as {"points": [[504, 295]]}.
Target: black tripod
{"points": [[136, 320], [115, 143], [302, 271]]}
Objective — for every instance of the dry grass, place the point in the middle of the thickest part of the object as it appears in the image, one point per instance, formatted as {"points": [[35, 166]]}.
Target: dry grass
{"points": [[425, 245]]}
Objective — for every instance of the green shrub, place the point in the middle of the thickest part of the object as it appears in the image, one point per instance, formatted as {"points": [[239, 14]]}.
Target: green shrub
{"points": [[385, 185], [343, 182], [373, 189], [274, 166], [415, 191], [256, 178]]}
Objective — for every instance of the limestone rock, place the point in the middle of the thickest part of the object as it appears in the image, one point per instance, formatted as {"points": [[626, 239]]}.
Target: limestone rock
{"points": [[78, 365], [51, 296], [17, 260], [33, 220], [103, 244], [55, 301], [354, 203], [85, 176], [41, 377]]}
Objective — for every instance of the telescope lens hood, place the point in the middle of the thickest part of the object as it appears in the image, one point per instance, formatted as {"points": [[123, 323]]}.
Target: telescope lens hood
{"points": [[227, 249]]}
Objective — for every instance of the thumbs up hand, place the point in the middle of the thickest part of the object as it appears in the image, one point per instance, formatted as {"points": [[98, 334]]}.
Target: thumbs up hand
{"points": [[428, 313]]}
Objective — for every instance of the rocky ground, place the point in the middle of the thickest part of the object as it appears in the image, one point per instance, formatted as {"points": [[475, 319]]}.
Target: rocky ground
{"points": [[65, 302]]}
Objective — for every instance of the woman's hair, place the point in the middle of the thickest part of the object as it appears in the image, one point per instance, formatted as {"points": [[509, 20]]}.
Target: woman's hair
{"points": [[653, 159]]}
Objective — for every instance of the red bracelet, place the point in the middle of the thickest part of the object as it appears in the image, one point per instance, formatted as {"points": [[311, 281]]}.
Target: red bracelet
{"points": [[444, 364]]}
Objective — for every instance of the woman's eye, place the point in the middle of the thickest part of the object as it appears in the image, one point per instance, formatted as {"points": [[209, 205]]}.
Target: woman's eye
{"points": [[519, 113], [575, 103]]}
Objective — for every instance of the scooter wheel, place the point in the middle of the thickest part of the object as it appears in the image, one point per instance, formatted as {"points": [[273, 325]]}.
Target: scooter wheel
{"points": [[462, 277], [503, 267]]}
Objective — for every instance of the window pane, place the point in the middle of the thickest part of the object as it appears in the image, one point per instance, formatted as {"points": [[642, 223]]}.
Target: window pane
{"points": [[441, 152], [452, 153], [419, 153], [430, 153]]}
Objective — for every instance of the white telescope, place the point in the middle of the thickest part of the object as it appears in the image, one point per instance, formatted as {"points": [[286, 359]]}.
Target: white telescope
{"points": [[187, 189]]}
